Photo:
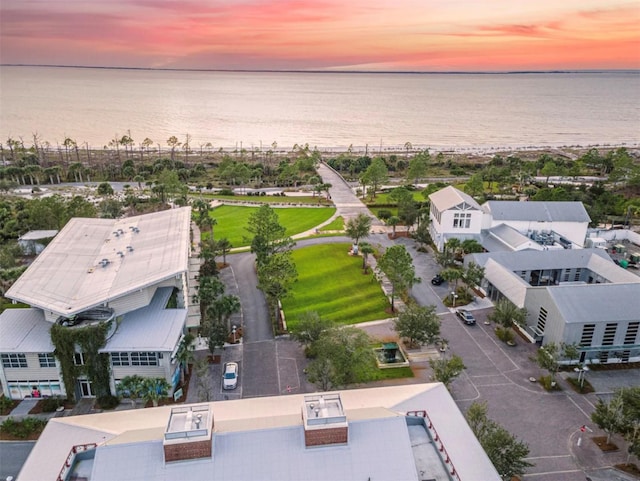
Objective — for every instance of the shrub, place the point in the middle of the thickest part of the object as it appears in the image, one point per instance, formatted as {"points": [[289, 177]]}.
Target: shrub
{"points": [[50, 404], [108, 401], [5, 403], [384, 214], [22, 429], [504, 334], [547, 382]]}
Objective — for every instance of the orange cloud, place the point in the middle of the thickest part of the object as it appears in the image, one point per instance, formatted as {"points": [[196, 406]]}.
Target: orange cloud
{"points": [[316, 34]]}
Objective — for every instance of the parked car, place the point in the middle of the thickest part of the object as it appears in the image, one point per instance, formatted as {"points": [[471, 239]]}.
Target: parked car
{"points": [[466, 316], [230, 376], [437, 280]]}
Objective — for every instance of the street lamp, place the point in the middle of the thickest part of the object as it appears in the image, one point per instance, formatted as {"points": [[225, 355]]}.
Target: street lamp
{"points": [[581, 371]]}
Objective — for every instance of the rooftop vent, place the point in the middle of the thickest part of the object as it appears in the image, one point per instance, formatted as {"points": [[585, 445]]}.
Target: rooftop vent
{"points": [[324, 420], [189, 433]]}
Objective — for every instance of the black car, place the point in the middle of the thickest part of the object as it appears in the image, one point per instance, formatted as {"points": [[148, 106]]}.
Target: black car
{"points": [[437, 280], [466, 316]]}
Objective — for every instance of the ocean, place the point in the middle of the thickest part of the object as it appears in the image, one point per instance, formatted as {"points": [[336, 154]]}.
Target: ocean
{"points": [[257, 110]]}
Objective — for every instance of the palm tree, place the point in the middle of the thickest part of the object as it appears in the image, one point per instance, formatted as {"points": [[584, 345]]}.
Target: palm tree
{"points": [[131, 387], [506, 313], [173, 142], [224, 246], [451, 275], [358, 227], [153, 389], [365, 249], [393, 221]]}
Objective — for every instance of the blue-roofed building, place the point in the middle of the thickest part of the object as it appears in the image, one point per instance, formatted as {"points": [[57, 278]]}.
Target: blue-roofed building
{"points": [[400, 433]]}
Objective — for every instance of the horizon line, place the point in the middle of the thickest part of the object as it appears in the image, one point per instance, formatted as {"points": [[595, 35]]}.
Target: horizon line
{"points": [[414, 72]]}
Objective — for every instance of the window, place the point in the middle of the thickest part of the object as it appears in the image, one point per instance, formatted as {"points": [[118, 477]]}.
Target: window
{"points": [[632, 332], [576, 277], [587, 334], [47, 359], [542, 320], [14, 360], [461, 220], [144, 359], [120, 359], [609, 334], [78, 359]]}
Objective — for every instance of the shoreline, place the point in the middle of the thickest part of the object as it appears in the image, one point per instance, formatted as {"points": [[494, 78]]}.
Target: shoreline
{"points": [[354, 150]]}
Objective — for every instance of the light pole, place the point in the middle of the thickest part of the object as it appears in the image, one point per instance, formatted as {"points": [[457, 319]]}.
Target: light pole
{"points": [[581, 371]]}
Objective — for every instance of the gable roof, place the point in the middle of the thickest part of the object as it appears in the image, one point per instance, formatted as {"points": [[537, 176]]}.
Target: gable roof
{"points": [[449, 197], [68, 276], [503, 237], [594, 259], [595, 302], [536, 211]]}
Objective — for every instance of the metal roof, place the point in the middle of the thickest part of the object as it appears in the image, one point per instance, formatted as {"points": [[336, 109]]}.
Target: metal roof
{"points": [[450, 197], [38, 235], [24, 330], [536, 211], [594, 259], [596, 302], [151, 328], [263, 438], [69, 276], [505, 238]]}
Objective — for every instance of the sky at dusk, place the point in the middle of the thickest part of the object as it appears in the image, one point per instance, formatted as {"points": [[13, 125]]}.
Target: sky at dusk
{"points": [[391, 35]]}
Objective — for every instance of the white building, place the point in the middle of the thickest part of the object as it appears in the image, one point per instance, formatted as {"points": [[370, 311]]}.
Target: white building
{"points": [[576, 296], [131, 273], [453, 214], [400, 433], [506, 225]]}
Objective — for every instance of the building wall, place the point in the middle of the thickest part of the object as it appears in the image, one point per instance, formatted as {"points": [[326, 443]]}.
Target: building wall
{"points": [[17, 382], [442, 224], [554, 330], [132, 301]]}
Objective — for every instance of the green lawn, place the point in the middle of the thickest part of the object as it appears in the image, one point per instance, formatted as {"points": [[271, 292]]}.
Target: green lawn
{"points": [[232, 221], [271, 199], [382, 198], [336, 224], [389, 373], [331, 283]]}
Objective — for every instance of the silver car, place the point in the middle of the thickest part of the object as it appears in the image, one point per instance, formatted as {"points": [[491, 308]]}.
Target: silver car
{"points": [[230, 376], [466, 316]]}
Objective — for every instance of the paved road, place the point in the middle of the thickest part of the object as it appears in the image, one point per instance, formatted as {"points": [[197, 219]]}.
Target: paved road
{"points": [[12, 457]]}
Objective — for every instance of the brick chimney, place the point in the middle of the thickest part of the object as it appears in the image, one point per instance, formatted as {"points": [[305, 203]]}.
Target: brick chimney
{"points": [[189, 433], [324, 420]]}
